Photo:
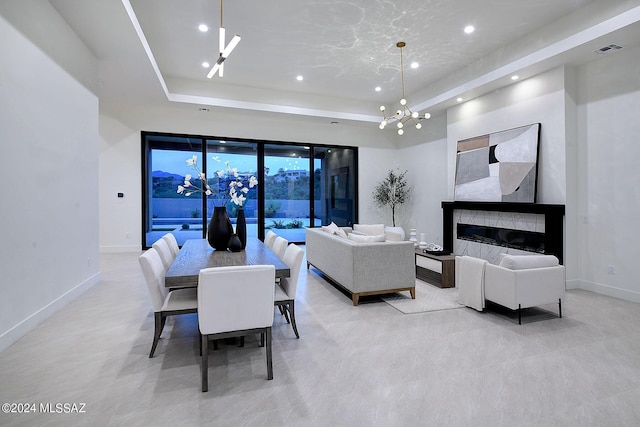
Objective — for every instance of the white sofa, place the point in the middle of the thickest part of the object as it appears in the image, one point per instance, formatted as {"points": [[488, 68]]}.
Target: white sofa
{"points": [[362, 268], [522, 281]]}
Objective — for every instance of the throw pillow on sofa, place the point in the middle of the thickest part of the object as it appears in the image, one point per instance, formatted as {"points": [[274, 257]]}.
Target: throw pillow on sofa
{"points": [[369, 229], [523, 262], [359, 238], [335, 230], [391, 235]]}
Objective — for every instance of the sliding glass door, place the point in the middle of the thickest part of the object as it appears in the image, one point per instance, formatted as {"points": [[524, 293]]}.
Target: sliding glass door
{"points": [[335, 190], [299, 185], [242, 158], [287, 190]]}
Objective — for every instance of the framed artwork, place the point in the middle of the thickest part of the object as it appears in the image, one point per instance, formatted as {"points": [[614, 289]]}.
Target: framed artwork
{"points": [[498, 167]]}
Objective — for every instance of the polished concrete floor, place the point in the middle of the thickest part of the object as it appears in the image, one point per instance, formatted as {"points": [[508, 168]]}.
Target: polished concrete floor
{"points": [[352, 366]]}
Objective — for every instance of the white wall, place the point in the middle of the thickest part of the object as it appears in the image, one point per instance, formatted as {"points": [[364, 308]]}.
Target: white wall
{"points": [[608, 178], [373, 165], [427, 166], [49, 132], [539, 99], [433, 162], [120, 172]]}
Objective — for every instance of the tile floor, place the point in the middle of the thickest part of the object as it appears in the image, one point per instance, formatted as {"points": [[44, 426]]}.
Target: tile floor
{"points": [[353, 366]]}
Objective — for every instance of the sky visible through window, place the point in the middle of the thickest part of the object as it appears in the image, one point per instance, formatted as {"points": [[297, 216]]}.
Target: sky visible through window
{"points": [[175, 162]]}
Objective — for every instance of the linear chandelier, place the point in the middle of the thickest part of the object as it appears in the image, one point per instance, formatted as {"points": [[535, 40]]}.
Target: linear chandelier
{"points": [[224, 50], [405, 114]]}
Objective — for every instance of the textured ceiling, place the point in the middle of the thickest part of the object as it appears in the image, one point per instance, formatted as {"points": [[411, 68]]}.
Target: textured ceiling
{"points": [[344, 49]]}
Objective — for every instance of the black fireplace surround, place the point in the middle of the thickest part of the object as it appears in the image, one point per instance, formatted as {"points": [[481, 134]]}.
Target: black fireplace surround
{"points": [[550, 242]]}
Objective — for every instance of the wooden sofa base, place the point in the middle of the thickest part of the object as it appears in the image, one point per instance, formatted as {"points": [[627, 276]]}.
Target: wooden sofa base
{"points": [[355, 297]]}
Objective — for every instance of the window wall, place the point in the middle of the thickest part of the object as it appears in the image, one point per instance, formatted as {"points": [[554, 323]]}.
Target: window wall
{"points": [[300, 185]]}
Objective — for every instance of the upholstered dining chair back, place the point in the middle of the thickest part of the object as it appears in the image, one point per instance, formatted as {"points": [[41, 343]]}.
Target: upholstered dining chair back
{"points": [[172, 243], [279, 246], [154, 272], [293, 258], [235, 298], [235, 301], [166, 256], [164, 302], [287, 287], [270, 238]]}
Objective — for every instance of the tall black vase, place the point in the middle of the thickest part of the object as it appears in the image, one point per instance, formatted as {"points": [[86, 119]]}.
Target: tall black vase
{"points": [[241, 228], [220, 229]]}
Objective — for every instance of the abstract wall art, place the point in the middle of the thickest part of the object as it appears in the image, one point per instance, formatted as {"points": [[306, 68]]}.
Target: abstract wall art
{"points": [[499, 167]]}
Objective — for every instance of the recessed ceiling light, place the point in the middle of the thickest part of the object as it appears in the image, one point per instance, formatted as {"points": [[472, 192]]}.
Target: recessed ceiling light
{"points": [[205, 64], [378, 88], [515, 77], [299, 78], [459, 99], [203, 28], [469, 29], [414, 65]]}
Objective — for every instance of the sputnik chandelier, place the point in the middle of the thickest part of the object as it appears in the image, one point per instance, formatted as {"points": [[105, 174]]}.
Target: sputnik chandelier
{"points": [[218, 67], [405, 114]]}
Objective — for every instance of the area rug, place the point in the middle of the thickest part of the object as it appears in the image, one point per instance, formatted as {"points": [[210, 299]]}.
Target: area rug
{"points": [[428, 298]]}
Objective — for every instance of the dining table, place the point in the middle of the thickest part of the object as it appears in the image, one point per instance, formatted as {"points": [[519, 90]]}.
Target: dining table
{"points": [[197, 254]]}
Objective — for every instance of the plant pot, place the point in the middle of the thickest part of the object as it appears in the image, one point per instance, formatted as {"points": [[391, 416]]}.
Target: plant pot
{"points": [[220, 229]]}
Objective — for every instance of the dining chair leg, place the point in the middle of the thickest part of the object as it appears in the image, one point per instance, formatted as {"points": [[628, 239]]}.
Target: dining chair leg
{"points": [[269, 360], [261, 339], [285, 309], [204, 362], [293, 318], [156, 332]]}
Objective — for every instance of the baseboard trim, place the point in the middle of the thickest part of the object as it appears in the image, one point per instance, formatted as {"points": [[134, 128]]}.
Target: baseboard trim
{"points": [[31, 322], [607, 290]]}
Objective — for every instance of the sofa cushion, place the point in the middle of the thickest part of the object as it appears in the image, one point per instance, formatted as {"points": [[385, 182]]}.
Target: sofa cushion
{"points": [[359, 238], [523, 262], [369, 229]]}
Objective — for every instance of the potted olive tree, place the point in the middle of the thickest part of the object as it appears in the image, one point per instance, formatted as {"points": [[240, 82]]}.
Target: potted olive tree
{"points": [[392, 192]]}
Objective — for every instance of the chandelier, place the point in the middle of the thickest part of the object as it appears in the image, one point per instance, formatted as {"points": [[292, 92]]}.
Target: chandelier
{"points": [[403, 115], [218, 67]]}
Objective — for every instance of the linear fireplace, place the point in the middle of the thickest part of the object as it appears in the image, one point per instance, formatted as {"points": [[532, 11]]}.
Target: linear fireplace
{"points": [[474, 228], [523, 240]]}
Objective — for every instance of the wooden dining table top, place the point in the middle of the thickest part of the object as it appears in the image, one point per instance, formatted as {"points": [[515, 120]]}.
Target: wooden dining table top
{"points": [[197, 254]]}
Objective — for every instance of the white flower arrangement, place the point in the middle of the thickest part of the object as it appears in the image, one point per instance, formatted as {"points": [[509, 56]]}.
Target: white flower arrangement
{"points": [[236, 190]]}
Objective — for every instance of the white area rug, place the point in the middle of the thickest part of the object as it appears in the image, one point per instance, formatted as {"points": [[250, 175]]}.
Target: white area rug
{"points": [[428, 298]]}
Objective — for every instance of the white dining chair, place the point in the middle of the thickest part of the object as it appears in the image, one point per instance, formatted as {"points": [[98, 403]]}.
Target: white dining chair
{"points": [[164, 302], [270, 238], [286, 289], [173, 244], [279, 246], [166, 256], [233, 302]]}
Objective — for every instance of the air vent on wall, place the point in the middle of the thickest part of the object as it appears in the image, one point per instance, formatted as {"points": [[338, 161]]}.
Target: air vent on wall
{"points": [[608, 49]]}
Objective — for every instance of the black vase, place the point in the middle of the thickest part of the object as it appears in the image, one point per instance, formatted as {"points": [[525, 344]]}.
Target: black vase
{"points": [[241, 228], [234, 243], [220, 229]]}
